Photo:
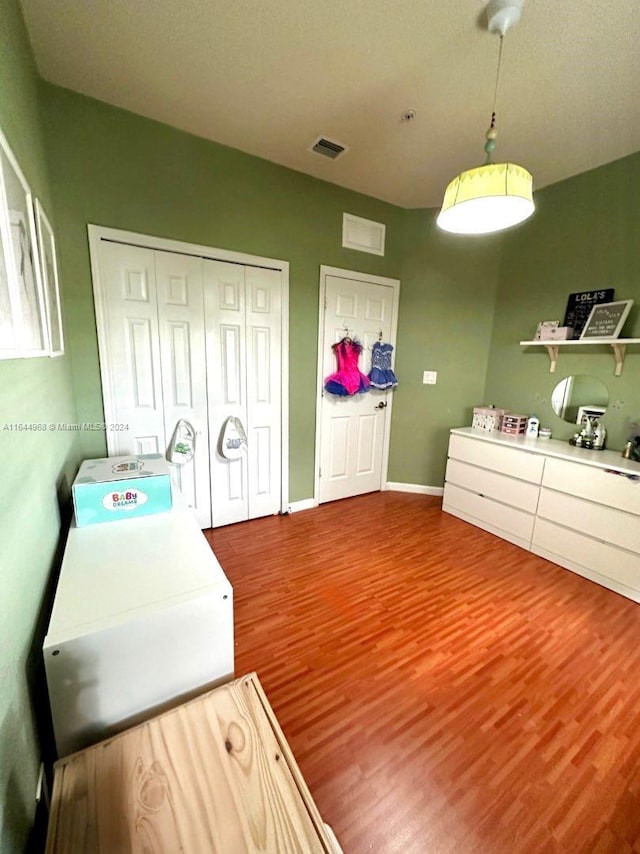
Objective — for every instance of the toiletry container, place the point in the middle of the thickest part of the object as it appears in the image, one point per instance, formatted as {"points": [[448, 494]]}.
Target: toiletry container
{"points": [[533, 425], [599, 437]]}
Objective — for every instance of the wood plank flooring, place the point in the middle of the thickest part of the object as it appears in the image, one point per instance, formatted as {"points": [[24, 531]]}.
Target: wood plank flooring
{"points": [[441, 689]]}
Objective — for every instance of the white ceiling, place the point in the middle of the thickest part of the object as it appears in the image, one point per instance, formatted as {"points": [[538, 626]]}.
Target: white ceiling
{"points": [[269, 76]]}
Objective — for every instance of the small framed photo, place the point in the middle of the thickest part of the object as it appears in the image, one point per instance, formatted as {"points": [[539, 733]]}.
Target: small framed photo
{"points": [[50, 285], [23, 280], [607, 319]]}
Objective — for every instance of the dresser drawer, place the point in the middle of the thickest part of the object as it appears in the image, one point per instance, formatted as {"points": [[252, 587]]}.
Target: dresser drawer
{"points": [[594, 484], [511, 461], [516, 525], [595, 520], [576, 550], [516, 493]]}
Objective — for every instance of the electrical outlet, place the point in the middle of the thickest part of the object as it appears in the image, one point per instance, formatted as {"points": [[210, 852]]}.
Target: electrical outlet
{"points": [[429, 377]]}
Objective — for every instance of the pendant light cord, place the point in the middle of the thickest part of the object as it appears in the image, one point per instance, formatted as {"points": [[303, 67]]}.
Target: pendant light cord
{"points": [[492, 133], [495, 94]]}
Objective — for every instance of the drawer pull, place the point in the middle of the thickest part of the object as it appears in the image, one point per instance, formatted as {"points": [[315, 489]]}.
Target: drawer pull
{"points": [[635, 478]]}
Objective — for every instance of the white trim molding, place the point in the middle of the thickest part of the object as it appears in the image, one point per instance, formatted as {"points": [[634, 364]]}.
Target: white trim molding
{"points": [[418, 488], [304, 504]]}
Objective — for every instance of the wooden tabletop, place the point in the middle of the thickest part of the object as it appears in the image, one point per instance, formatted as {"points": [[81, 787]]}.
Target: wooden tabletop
{"points": [[212, 775]]}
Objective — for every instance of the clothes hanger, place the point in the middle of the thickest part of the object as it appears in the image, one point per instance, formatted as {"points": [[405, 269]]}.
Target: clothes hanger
{"points": [[346, 338]]}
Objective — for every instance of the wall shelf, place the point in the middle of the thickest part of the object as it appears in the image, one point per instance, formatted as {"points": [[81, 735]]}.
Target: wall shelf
{"points": [[619, 346]]}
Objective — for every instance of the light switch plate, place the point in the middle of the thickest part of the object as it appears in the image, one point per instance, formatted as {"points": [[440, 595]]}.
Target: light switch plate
{"points": [[429, 377]]}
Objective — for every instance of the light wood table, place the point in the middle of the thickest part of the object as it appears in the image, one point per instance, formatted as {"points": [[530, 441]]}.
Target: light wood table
{"points": [[213, 775]]}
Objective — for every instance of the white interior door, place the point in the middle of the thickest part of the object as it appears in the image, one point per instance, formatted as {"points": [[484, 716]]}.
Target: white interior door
{"points": [[353, 431], [264, 389], [226, 369], [179, 283], [130, 349], [153, 358], [243, 312]]}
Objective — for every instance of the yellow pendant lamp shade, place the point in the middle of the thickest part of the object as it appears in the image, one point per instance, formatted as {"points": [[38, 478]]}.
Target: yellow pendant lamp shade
{"points": [[494, 196], [486, 199]]}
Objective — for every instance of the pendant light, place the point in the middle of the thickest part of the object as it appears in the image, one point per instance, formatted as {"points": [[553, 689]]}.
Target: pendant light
{"points": [[493, 196]]}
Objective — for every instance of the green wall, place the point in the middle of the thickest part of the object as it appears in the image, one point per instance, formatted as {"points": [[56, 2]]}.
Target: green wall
{"points": [[36, 467], [583, 236], [113, 168], [447, 300]]}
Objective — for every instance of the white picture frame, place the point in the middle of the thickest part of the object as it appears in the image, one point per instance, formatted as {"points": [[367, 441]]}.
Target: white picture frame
{"points": [[9, 303], [607, 319], [20, 256], [50, 281]]}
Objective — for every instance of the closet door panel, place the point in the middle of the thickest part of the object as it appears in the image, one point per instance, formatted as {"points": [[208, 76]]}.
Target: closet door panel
{"points": [[131, 348], [224, 301], [264, 381], [180, 296]]}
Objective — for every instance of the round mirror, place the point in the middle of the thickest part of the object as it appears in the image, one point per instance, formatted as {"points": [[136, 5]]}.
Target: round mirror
{"points": [[580, 396]]}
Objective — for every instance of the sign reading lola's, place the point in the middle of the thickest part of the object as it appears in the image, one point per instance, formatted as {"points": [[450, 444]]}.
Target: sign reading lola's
{"points": [[579, 307]]}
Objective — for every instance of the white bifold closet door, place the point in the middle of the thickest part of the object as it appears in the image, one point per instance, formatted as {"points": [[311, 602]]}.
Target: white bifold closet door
{"points": [[184, 337], [156, 358], [243, 313]]}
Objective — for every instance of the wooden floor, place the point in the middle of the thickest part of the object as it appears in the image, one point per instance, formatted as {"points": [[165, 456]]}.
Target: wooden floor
{"points": [[441, 689]]}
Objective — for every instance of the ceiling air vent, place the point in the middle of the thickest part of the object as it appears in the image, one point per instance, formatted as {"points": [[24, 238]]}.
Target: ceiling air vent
{"points": [[328, 148]]}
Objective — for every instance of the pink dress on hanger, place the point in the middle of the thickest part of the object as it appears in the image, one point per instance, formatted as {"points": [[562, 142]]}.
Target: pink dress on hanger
{"points": [[348, 379]]}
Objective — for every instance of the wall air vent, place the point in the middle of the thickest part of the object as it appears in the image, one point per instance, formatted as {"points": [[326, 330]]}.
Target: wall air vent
{"points": [[365, 235], [328, 148]]}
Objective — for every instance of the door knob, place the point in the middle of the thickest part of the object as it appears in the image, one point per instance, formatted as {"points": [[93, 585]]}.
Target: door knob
{"points": [[381, 405]]}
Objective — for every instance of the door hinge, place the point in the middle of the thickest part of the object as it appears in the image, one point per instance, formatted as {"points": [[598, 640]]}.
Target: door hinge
{"points": [[319, 472]]}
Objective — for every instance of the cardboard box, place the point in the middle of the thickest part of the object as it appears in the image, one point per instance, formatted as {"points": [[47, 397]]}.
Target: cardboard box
{"points": [[106, 490]]}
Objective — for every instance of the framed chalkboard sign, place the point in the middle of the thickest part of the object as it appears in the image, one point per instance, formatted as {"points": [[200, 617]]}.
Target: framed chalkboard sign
{"points": [[579, 307], [606, 320]]}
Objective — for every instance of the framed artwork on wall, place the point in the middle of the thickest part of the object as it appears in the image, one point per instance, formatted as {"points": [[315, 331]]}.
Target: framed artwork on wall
{"points": [[49, 276], [20, 257]]}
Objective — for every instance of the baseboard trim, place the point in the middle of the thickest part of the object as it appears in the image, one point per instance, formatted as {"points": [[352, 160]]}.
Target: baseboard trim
{"points": [[305, 504], [414, 487]]}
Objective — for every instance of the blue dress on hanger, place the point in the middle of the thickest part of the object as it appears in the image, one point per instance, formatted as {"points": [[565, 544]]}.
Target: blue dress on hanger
{"points": [[381, 375]]}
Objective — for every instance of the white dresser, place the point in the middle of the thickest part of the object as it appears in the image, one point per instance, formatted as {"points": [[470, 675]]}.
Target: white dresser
{"points": [[577, 508]]}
